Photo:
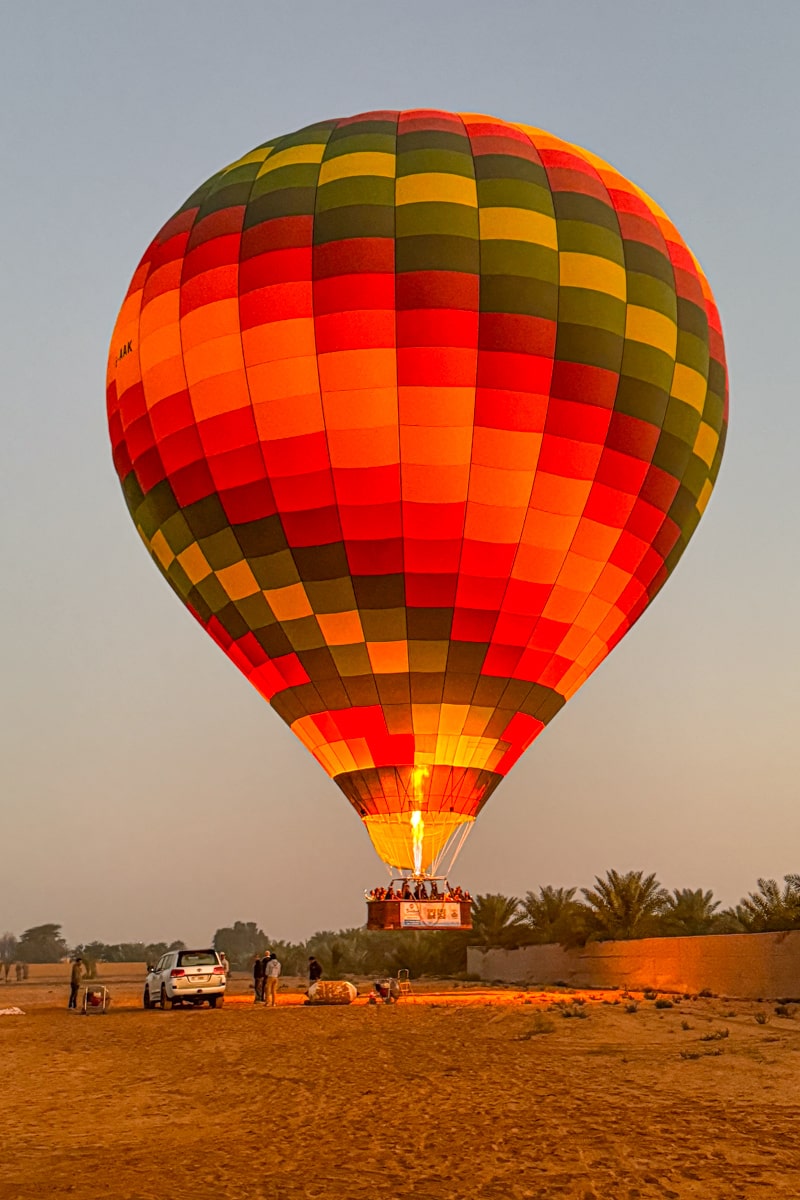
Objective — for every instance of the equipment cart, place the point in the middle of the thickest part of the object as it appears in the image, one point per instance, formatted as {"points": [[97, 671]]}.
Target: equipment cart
{"points": [[95, 999]]}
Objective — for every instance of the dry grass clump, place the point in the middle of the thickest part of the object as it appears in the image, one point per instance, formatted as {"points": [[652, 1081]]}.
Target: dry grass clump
{"points": [[539, 1025]]}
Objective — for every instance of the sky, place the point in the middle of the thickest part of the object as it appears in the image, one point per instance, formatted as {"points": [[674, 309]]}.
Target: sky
{"points": [[148, 792]]}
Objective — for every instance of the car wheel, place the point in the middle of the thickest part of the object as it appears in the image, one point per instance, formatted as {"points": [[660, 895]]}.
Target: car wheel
{"points": [[164, 997], [216, 1001], [146, 1001]]}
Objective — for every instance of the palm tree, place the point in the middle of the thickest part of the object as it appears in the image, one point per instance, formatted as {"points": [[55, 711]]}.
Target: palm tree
{"points": [[689, 913], [496, 921], [771, 907], [624, 906], [554, 915]]}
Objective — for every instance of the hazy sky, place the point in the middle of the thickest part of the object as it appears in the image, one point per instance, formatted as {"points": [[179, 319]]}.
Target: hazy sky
{"points": [[148, 791]]}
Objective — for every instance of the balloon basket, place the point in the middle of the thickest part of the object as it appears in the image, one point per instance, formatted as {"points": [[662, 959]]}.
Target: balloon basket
{"points": [[419, 914]]}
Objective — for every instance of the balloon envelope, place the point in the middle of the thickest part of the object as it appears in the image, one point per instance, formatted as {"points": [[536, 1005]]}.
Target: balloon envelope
{"points": [[416, 412]]}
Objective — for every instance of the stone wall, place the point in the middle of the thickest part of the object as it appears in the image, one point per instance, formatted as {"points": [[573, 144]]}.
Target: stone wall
{"points": [[750, 965]]}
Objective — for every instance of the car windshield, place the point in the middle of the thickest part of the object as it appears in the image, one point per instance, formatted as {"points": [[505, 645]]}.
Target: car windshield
{"points": [[197, 958]]}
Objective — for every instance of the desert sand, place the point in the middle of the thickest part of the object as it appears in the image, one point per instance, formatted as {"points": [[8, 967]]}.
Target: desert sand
{"points": [[454, 1094]]}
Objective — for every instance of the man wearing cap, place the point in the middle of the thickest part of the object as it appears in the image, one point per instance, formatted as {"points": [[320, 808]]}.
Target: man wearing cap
{"points": [[75, 981], [273, 975]]}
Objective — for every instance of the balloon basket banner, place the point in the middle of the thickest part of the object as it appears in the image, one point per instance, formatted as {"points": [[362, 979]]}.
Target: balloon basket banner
{"points": [[419, 914]]}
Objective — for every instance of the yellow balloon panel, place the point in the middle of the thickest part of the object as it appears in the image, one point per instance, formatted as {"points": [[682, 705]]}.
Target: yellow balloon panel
{"points": [[414, 845]]}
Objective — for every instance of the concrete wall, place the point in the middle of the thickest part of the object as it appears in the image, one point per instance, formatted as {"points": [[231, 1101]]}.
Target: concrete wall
{"points": [[749, 965]]}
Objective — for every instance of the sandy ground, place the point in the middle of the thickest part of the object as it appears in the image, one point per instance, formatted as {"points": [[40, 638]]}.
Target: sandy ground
{"points": [[456, 1095]]}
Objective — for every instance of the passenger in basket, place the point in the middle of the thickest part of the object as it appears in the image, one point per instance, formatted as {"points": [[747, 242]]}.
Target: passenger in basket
{"points": [[273, 975], [258, 979]]}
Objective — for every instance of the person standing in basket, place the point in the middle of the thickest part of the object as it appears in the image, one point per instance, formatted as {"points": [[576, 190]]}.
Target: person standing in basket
{"points": [[273, 975], [75, 981]]}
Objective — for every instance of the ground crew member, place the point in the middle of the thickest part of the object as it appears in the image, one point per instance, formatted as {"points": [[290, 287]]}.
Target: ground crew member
{"points": [[273, 975], [259, 967], [75, 981]]}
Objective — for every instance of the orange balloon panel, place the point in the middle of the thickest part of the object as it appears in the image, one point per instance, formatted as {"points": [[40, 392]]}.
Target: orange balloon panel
{"points": [[416, 412]]}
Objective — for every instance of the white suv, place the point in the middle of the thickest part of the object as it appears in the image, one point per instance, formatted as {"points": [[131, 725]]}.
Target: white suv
{"points": [[185, 977]]}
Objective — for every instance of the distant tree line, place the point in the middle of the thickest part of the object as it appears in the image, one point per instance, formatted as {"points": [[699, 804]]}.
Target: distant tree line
{"points": [[619, 907], [45, 944]]}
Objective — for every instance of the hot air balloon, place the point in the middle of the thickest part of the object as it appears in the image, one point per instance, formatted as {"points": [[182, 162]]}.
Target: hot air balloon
{"points": [[416, 412]]}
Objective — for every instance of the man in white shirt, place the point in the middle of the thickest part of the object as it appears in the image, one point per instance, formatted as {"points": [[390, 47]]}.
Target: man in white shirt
{"points": [[273, 975]]}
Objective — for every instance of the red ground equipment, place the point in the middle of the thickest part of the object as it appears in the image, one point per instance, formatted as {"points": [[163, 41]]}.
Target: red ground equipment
{"points": [[95, 999]]}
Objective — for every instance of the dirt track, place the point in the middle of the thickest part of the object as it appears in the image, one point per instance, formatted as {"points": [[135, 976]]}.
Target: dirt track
{"points": [[432, 1101]]}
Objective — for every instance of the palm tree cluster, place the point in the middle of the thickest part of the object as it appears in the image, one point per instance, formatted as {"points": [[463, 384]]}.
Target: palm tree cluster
{"points": [[621, 906]]}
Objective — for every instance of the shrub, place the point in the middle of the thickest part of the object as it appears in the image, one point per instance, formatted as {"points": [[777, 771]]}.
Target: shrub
{"points": [[539, 1024], [716, 1036], [631, 1008], [685, 1025], [761, 1018], [664, 1004]]}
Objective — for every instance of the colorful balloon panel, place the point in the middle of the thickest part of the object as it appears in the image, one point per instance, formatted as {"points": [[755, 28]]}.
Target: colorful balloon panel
{"points": [[416, 412]]}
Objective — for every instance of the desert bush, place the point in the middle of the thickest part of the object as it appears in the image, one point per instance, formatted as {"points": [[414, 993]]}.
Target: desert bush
{"points": [[717, 1035], [664, 1004], [540, 1024], [761, 1018], [632, 1008]]}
